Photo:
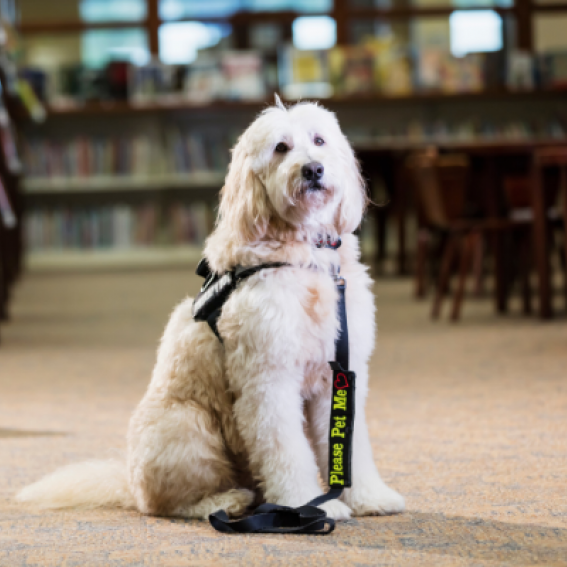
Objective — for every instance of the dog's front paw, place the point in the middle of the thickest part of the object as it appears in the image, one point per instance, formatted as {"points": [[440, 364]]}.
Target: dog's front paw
{"points": [[375, 500], [336, 509]]}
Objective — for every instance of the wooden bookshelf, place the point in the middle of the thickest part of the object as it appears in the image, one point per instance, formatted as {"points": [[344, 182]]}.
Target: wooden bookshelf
{"points": [[370, 114], [362, 110]]}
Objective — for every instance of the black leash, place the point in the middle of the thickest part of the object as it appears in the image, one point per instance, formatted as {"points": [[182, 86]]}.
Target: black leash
{"points": [[309, 519]]}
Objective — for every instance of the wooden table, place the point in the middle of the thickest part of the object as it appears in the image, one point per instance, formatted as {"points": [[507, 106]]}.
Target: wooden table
{"points": [[491, 153]]}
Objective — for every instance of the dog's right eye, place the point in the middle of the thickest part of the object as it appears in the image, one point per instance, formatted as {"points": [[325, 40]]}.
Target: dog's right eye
{"points": [[281, 148]]}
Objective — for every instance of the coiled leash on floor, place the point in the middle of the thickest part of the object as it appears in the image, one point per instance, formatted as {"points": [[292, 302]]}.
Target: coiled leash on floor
{"points": [[273, 518]]}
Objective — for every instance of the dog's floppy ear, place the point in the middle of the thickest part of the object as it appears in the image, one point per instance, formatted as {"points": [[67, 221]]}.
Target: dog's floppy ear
{"points": [[244, 209], [354, 200]]}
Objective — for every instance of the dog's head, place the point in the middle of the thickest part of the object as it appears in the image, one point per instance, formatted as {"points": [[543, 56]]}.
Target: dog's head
{"points": [[292, 170]]}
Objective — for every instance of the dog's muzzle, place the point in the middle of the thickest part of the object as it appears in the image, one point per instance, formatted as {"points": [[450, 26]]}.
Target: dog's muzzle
{"points": [[312, 173]]}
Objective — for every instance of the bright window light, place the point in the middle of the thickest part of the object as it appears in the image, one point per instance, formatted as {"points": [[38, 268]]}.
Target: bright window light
{"points": [[475, 30], [108, 10], [177, 9], [317, 32], [180, 41]]}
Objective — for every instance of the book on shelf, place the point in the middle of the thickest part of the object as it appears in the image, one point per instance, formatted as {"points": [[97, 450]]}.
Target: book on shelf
{"points": [[352, 70], [204, 79], [190, 223], [552, 68], [378, 65], [32, 91], [520, 72], [190, 151], [304, 73], [152, 82], [243, 75], [438, 70], [494, 70], [229, 75], [392, 67], [392, 73]]}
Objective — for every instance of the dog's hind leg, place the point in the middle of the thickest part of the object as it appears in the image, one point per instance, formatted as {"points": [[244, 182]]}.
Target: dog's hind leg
{"points": [[181, 444], [179, 465]]}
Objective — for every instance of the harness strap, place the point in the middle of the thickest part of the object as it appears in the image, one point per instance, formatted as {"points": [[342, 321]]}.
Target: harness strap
{"points": [[309, 519], [207, 306]]}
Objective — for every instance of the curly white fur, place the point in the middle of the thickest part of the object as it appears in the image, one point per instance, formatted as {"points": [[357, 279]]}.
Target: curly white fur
{"points": [[223, 422]]}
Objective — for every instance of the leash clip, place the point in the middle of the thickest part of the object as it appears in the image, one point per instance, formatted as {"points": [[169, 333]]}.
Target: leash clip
{"points": [[336, 275]]}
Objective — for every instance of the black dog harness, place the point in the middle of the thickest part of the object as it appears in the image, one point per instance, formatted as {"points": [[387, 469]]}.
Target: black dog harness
{"points": [[272, 518]]}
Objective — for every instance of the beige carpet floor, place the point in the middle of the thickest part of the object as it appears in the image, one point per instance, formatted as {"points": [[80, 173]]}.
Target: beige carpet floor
{"points": [[468, 421]]}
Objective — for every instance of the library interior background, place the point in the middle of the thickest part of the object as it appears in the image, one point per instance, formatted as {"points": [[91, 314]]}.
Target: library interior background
{"points": [[116, 122]]}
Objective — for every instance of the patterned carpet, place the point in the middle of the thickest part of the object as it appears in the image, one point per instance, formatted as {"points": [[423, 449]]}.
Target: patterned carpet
{"points": [[468, 421]]}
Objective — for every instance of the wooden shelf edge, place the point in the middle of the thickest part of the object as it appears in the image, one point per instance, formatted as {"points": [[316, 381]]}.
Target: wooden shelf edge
{"points": [[500, 143], [113, 259], [410, 12], [562, 7], [217, 106], [105, 184]]}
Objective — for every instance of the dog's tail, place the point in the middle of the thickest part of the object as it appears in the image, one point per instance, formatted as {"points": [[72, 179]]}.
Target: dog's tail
{"points": [[92, 484]]}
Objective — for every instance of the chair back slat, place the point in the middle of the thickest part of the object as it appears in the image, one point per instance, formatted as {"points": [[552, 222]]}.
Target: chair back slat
{"points": [[440, 182]]}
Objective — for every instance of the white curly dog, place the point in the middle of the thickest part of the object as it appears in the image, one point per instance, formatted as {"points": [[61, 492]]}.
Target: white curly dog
{"points": [[225, 423]]}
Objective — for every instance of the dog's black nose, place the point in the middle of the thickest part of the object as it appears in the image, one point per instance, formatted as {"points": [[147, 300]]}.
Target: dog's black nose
{"points": [[312, 171]]}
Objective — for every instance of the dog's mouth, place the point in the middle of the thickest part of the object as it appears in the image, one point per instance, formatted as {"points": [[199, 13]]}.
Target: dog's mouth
{"points": [[312, 187]]}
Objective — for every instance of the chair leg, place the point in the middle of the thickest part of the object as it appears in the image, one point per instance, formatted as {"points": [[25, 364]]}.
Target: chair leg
{"points": [[3, 291], [445, 273], [478, 267], [540, 240], [3, 280], [525, 269], [423, 239], [563, 190], [467, 248]]}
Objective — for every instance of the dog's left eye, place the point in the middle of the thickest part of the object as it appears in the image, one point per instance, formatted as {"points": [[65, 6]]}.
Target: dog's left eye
{"points": [[319, 141]]}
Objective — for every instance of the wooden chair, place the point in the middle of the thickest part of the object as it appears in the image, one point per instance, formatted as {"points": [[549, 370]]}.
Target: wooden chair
{"points": [[441, 187], [550, 160], [556, 157], [518, 194]]}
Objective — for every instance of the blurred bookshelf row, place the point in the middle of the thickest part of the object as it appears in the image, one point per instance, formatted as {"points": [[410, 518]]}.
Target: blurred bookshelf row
{"points": [[469, 130], [183, 157], [178, 151], [120, 226], [380, 68]]}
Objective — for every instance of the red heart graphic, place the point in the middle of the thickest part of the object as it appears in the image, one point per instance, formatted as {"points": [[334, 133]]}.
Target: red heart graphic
{"points": [[341, 381]]}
